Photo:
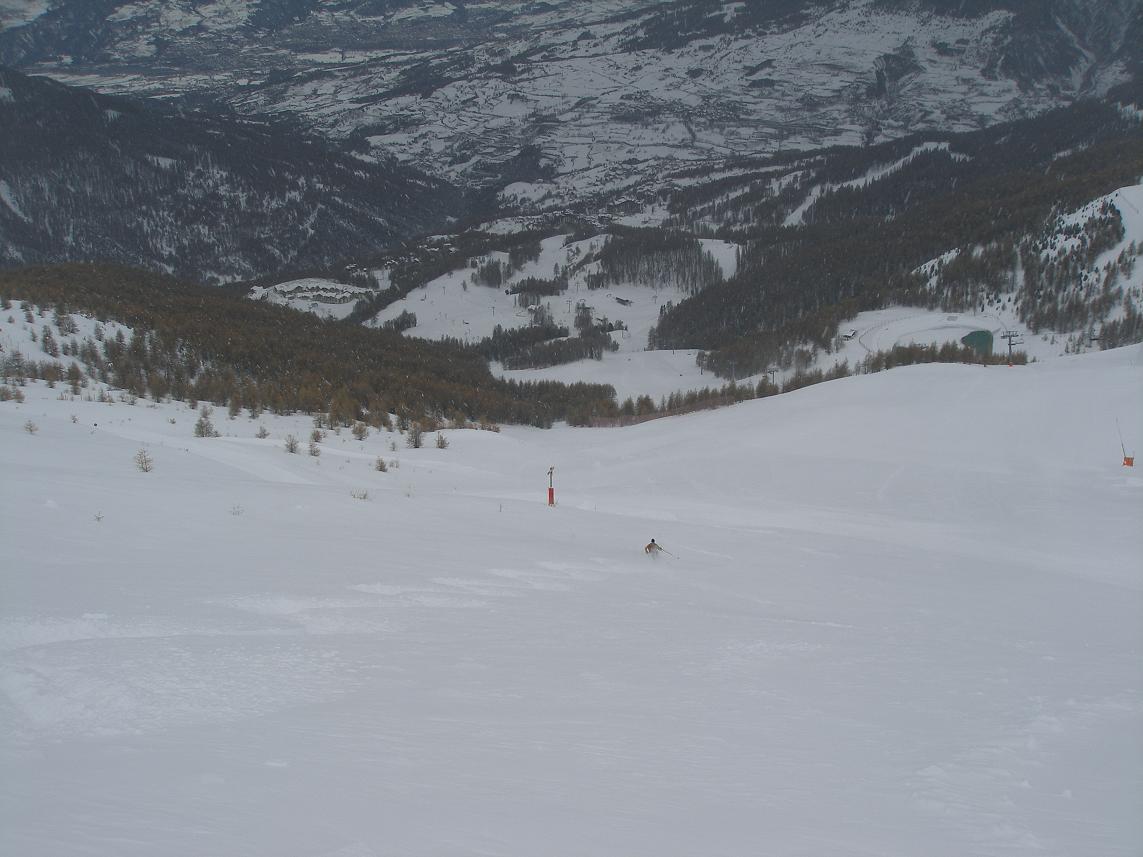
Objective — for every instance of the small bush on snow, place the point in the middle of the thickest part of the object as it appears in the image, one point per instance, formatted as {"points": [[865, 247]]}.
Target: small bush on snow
{"points": [[143, 461]]}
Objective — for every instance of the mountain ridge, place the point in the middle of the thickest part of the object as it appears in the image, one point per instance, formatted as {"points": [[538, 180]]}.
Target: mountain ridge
{"points": [[96, 177]]}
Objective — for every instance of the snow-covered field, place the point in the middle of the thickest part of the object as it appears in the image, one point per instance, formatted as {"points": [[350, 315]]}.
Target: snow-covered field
{"points": [[903, 615]]}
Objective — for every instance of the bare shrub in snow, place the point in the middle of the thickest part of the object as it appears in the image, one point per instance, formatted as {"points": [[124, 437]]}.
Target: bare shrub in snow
{"points": [[48, 342], [415, 438], [291, 444], [381, 465], [263, 433], [442, 441], [143, 461], [30, 427]]}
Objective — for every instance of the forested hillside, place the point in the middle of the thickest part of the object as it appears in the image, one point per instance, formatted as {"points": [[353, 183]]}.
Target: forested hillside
{"points": [[199, 344], [847, 230]]}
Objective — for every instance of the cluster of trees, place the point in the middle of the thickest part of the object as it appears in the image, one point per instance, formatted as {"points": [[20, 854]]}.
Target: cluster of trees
{"points": [[1061, 290], [495, 273], [949, 352], [492, 273], [654, 257], [793, 344], [1049, 276], [643, 408], [1124, 330], [531, 289], [967, 278], [505, 344], [402, 322], [591, 343], [197, 344], [544, 343]]}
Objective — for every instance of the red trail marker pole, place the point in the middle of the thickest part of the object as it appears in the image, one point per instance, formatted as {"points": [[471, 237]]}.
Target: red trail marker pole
{"points": [[551, 487]]}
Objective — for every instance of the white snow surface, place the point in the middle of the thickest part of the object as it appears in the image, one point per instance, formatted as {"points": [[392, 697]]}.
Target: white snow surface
{"points": [[902, 615]]}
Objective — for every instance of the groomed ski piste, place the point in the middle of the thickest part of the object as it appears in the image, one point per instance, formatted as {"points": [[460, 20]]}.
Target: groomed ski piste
{"points": [[904, 616]]}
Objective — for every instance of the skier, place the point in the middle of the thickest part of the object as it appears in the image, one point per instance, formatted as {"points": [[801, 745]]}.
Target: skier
{"points": [[653, 549]]}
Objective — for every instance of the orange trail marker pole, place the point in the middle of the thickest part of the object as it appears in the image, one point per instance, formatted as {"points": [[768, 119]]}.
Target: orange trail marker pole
{"points": [[1128, 460]]}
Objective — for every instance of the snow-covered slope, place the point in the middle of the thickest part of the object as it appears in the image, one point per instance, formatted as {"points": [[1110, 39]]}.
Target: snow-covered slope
{"points": [[1087, 276], [901, 615]]}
